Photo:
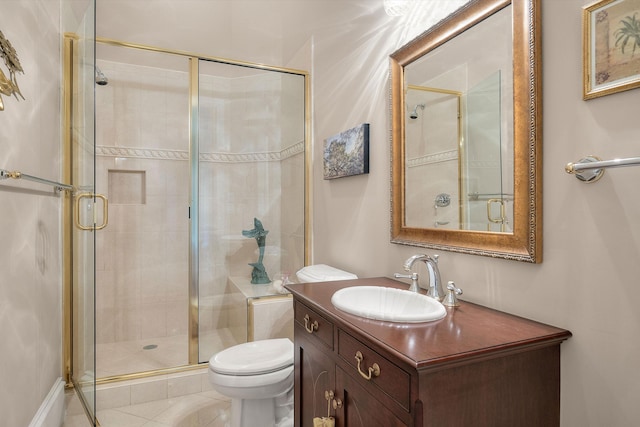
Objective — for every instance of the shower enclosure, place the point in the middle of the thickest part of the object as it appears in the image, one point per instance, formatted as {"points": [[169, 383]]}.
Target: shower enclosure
{"points": [[189, 151]]}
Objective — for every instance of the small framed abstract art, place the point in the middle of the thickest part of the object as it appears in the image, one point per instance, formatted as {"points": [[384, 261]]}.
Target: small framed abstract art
{"points": [[611, 47], [347, 153]]}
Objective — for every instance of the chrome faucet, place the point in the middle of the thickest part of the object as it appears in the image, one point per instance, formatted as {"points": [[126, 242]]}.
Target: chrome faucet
{"points": [[435, 287]]}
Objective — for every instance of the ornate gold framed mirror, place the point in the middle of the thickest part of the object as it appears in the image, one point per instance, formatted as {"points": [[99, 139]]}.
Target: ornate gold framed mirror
{"points": [[466, 148]]}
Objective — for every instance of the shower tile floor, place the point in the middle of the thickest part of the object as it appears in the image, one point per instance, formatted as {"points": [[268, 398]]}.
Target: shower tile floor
{"points": [[126, 357]]}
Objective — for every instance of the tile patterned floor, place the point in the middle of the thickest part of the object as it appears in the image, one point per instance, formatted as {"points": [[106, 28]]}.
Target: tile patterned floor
{"points": [[205, 409]]}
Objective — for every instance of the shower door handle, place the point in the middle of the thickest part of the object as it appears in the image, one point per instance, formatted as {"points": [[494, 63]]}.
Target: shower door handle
{"points": [[105, 211]]}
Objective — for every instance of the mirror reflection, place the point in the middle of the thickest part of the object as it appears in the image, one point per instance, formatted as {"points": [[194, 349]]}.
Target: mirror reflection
{"points": [[459, 132]]}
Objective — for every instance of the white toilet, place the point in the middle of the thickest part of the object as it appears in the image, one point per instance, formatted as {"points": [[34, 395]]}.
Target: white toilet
{"points": [[258, 375]]}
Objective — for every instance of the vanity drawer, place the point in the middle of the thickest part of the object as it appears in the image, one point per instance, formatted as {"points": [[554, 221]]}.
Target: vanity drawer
{"points": [[314, 324], [392, 382]]}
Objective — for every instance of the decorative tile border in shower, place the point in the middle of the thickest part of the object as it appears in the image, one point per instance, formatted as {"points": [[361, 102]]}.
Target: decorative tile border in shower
{"points": [[141, 153], [163, 154], [433, 158]]}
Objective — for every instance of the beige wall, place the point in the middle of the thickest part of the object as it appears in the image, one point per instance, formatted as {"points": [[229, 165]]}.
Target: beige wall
{"points": [[588, 280], [30, 282]]}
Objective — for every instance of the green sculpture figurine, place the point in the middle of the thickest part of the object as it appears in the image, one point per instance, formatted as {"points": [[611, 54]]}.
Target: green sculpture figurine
{"points": [[259, 274]]}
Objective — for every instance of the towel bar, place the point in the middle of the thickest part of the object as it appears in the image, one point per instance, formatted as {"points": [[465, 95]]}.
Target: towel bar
{"points": [[5, 174], [591, 168]]}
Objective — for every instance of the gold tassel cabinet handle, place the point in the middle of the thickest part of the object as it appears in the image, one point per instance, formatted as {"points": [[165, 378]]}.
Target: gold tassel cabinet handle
{"points": [[327, 421], [310, 326], [337, 403], [372, 371]]}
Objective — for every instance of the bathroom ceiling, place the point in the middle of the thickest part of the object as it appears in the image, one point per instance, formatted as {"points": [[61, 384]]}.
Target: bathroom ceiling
{"points": [[263, 31], [269, 31]]}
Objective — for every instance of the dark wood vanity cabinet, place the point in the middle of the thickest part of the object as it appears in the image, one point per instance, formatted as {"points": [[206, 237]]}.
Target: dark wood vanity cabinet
{"points": [[317, 375], [475, 367]]}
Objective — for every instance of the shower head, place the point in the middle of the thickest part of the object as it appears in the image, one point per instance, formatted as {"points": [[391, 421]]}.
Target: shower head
{"points": [[101, 79], [414, 113]]}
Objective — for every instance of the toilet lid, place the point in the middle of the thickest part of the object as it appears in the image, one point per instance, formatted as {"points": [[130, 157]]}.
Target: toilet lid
{"points": [[323, 273], [256, 357]]}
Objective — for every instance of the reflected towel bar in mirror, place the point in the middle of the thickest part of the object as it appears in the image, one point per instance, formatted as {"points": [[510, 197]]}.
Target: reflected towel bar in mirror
{"points": [[5, 174], [591, 168]]}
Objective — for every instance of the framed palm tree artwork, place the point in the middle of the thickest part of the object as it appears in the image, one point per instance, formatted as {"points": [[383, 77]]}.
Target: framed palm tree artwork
{"points": [[611, 47]]}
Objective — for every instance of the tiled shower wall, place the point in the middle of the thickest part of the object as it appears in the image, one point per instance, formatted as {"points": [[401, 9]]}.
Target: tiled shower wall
{"points": [[142, 255], [248, 168]]}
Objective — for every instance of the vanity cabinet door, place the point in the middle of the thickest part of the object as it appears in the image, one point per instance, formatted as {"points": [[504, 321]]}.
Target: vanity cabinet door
{"points": [[314, 376], [359, 408]]}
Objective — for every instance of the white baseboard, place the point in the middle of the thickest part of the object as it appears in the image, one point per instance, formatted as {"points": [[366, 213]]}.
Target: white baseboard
{"points": [[51, 412]]}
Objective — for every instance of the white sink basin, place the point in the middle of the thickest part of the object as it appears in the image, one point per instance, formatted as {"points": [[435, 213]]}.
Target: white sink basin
{"points": [[390, 304]]}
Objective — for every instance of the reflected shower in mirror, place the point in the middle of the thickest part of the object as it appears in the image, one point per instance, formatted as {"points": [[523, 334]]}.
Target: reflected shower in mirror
{"points": [[456, 146], [432, 157]]}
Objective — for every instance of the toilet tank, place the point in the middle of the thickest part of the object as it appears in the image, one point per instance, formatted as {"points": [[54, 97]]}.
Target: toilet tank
{"points": [[322, 273]]}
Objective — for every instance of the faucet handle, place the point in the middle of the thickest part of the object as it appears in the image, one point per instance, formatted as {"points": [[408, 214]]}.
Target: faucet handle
{"points": [[414, 280], [450, 300]]}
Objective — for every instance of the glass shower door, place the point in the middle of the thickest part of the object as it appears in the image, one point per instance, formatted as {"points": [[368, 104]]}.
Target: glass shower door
{"points": [[83, 271], [142, 166], [486, 206], [80, 208], [249, 179]]}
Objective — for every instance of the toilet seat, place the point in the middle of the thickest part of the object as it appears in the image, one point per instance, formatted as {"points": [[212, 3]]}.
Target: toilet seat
{"points": [[254, 358], [253, 386]]}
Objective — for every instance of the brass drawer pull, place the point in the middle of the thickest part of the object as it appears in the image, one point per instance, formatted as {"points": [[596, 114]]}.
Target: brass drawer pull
{"points": [[314, 325], [373, 371]]}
